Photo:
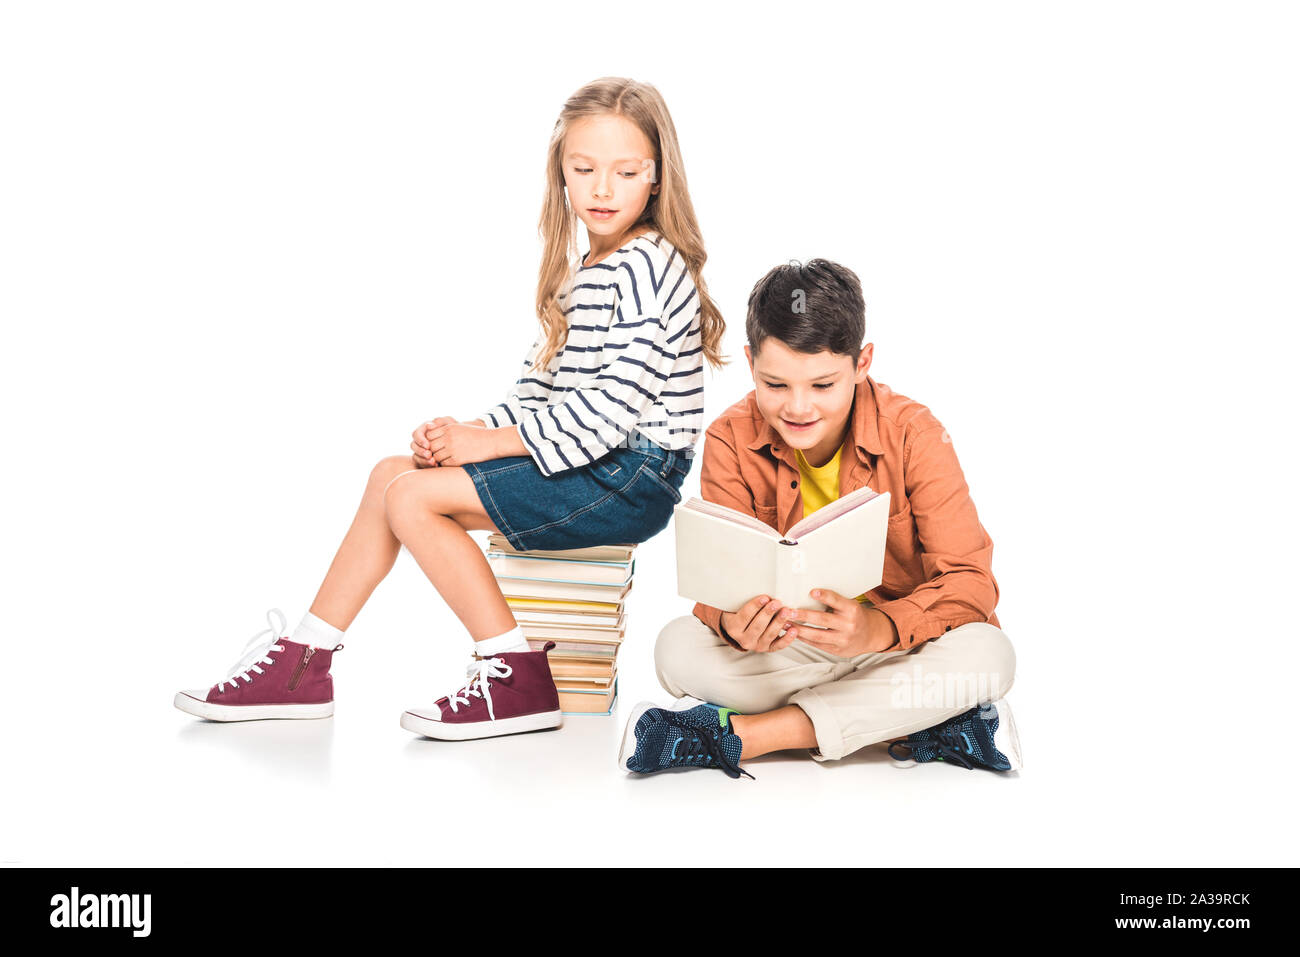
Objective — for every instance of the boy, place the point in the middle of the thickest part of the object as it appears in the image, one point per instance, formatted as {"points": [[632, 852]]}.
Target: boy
{"points": [[910, 661]]}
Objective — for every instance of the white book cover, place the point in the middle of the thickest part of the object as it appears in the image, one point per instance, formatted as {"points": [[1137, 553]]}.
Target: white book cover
{"points": [[563, 618], [550, 569], [725, 557], [599, 553], [574, 591], [579, 633]]}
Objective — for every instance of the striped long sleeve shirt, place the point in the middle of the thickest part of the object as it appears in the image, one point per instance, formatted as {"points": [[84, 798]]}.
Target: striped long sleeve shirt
{"points": [[632, 366]]}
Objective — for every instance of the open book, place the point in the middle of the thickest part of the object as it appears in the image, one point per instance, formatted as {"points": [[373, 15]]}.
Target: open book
{"points": [[725, 557]]}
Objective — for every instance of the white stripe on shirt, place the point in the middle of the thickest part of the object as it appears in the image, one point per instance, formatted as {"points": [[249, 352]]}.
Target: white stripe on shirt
{"points": [[633, 362]]}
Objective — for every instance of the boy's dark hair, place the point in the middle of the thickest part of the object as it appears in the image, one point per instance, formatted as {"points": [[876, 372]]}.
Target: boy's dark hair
{"points": [[810, 307]]}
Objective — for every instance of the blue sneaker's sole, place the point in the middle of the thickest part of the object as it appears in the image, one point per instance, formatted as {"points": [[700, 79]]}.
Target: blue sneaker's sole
{"points": [[1005, 738], [627, 747]]}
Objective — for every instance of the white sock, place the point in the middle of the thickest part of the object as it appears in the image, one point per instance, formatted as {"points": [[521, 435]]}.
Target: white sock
{"points": [[511, 641], [316, 632]]}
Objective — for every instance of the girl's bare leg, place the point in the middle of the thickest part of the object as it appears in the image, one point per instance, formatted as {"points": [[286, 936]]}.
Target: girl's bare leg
{"points": [[367, 554], [370, 548], [430, 512]]}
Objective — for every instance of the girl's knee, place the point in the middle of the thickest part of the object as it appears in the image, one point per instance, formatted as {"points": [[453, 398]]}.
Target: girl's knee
{"points": [[387, 469], [438, 491], [403, 497]]}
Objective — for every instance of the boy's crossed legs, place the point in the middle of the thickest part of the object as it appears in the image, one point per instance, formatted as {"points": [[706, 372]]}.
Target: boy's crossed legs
{"points": [[802, 697]]}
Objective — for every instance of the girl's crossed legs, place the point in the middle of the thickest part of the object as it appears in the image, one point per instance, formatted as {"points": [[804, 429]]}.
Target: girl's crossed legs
{"points": [[430, 511]]}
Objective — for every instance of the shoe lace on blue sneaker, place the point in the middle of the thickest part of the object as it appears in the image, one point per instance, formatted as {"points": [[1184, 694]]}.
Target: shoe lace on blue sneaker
{"points": [[478, 677], [256, 653], [948, 744], [667, 743], [966, 740], [706, 747]]}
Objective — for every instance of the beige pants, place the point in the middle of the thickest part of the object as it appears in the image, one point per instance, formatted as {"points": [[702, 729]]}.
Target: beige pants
{"points": [[852, 702]]}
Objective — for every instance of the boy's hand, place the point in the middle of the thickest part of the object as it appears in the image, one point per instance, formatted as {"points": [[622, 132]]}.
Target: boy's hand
{"points": [[420, 450], [853, 629], [458, 443], [757, 625]]}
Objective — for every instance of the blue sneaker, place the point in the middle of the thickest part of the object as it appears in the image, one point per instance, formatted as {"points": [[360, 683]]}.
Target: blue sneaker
{"points": [[703, 714], [984, 736], [691, 734]]}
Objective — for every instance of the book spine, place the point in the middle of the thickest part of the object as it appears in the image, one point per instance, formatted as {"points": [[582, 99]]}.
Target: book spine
{"points": [[586, 704], [790, 562], [494, 554]]}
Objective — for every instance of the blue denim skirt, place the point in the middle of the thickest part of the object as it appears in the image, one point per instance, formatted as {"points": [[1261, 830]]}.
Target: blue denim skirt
{"points": [[623, 498]]}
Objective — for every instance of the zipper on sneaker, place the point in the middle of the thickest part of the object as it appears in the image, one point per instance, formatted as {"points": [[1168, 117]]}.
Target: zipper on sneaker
{"points": [[302, 667]]}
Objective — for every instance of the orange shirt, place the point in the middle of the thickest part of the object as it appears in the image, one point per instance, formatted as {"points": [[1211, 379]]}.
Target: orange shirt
{"points": [[937, 572]]}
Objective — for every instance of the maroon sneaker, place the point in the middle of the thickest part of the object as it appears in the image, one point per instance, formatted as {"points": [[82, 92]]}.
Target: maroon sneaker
{"points": [[505, 694], [275, 679]]}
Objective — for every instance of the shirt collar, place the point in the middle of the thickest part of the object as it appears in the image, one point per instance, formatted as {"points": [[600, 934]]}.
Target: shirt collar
{"points": [[863, 426]]}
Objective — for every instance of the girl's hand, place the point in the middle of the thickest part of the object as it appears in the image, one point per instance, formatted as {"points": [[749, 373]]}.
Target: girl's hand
{"points": [[421, 452], [757, 625], [459, 443], [852, 628]]}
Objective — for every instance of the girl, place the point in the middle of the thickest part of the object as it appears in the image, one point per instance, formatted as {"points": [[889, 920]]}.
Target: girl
{"points": [[590, 446]]}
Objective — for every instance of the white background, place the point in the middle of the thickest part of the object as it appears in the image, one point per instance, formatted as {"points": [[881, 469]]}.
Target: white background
{"points": [[245, 248]]}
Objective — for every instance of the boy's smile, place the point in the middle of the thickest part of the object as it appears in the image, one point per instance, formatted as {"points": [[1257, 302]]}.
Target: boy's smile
{"points": [[610, 176], [807, 397]]}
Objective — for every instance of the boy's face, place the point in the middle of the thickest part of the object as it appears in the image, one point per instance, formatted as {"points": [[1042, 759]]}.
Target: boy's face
{"points": [[807, 397]]}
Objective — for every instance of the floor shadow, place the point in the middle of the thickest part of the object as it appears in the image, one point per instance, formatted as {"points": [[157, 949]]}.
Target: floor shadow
{"points": [[298, 748]]}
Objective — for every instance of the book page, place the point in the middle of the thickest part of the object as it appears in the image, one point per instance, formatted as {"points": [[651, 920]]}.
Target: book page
{"points": [[721, 562], [830, 512], [845, 556], [730, 515]]}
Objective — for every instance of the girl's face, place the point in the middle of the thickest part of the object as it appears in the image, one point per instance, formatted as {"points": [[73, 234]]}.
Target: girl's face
{"points": [[807, 398], [610, 174]]}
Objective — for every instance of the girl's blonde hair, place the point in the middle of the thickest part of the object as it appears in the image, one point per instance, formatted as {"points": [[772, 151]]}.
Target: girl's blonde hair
{"points": [[669, 211]]}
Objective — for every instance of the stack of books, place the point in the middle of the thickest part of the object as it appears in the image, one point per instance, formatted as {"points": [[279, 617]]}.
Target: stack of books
{"points": [[574, 598]]}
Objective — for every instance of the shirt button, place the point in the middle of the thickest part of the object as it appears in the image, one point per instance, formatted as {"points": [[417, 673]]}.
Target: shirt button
{"points": [[794, 484]]}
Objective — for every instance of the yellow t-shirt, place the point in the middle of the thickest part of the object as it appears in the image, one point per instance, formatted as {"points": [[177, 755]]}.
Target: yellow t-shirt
{"points": [[819, 487]]}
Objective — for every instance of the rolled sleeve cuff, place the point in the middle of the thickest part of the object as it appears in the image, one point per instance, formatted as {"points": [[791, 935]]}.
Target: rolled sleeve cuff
{"points": [[713, 618], [914, 626]]}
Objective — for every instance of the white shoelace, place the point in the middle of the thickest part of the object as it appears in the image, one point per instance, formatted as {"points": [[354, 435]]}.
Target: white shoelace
{"points": [[479, 673], [258, 656]]}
